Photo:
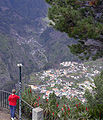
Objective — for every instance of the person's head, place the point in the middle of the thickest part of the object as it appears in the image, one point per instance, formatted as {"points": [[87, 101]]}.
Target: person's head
{"points": [[13, 91]]}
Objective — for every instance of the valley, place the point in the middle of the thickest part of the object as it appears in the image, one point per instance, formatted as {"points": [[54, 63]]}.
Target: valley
{"points": [[71, 79]]}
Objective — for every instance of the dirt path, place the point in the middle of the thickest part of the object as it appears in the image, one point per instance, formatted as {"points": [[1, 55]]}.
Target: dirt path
{"points": [[4, 114]]}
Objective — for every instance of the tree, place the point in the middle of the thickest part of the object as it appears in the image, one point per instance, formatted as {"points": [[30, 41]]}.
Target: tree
{"points": [[95, 99], [81, 20]]}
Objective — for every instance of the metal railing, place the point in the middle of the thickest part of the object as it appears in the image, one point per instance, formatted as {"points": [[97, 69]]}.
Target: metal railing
{"points": [[26, 110], [4, 99]]}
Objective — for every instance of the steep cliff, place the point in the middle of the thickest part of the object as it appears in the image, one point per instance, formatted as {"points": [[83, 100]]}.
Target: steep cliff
{"points": [[26, 37]]}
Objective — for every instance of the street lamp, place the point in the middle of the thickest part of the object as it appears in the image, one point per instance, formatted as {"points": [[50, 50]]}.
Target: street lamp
{"points": [[19, 65]]}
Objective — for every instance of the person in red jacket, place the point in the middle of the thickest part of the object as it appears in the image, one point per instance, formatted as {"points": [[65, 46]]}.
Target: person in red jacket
{"points": [[12, 103]]}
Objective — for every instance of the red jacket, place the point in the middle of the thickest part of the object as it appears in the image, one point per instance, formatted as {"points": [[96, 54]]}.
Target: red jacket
{"points": [[13, 99]]}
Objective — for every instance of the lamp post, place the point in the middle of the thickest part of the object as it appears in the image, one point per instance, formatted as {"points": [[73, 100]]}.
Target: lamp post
{"points": [[19, 65]]}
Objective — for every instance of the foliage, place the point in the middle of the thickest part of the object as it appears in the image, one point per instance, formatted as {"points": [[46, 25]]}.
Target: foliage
{"points": [[32, 100], [95, 99], [82, 20], [54, 107]]}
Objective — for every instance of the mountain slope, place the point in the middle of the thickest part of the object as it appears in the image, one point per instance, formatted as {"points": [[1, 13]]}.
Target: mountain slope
{"points": [[25, 37], [17, 20], [55, 45], [11, 53]]}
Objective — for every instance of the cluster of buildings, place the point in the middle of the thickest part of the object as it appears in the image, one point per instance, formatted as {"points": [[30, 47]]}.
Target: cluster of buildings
{"points": [[71, 80]]}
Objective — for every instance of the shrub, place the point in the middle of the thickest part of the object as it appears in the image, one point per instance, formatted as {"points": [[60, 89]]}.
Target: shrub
{"points": [[54, 107], [95, 99]]}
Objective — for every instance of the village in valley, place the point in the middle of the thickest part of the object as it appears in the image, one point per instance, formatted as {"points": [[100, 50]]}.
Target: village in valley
{"points": [[71, 79]]}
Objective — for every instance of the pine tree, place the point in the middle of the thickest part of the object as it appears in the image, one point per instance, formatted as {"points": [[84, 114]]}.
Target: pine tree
{"points": [[82, 20]]}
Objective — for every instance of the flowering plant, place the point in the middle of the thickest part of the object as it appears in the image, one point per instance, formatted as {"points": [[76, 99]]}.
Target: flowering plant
{"points": [[54, 107]]}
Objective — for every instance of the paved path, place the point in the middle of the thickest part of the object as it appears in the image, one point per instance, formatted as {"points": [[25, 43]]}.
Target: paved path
{"points": [[4, 114]]}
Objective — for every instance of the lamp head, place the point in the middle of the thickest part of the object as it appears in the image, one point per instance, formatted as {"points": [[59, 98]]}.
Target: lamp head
{"points": [[19, 65]]}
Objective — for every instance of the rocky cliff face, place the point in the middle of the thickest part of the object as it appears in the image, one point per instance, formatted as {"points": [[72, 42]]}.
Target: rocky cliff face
{"points": [[25, 37]]}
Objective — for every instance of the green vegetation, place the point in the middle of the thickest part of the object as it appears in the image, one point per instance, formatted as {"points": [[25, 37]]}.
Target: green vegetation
{"points": [[48, 88], [95, 99], [54, 107], [4, 43], [58, 86], [47, 78], [35, 80], [73, 109], [80, 20]]}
